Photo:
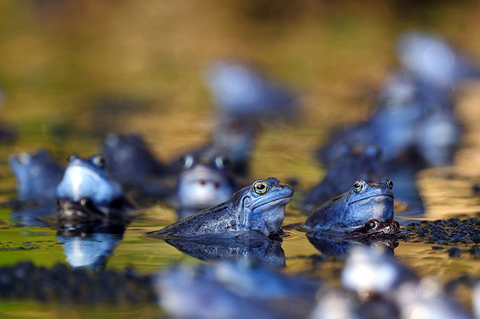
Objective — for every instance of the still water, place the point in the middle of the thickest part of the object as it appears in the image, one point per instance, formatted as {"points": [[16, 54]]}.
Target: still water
{"points": [[447, 192]]}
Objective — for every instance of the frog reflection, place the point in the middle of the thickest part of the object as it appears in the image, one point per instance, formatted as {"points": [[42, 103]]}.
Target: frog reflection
{"points": [[91, 251], [89, 236], [253, 249]]}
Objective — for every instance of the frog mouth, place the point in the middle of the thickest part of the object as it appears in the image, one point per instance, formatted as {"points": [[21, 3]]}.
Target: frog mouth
{"points": [[385, 196]]}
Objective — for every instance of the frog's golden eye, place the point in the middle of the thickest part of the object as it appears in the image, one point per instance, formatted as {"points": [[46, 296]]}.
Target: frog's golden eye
{"points": [[260, 187], [358, 186]]}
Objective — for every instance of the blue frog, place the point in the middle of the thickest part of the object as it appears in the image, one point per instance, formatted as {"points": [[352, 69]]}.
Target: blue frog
{"points": [[364, 207], [37, 176], [87, 178], [233, 139], [259, 208], [240, 91], [203, 184], [359, 163], [430, 57], [128, 158]]}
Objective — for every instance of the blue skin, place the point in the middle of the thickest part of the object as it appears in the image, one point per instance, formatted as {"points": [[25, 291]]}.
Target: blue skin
{"points": [[190, 293], [250, 248], [128, 158], [233, 139], [258, 208], [264, 283], [87, 179], [431, 58], [365, 204], [202, 184], [413, 121], [37, 176], [364, 261], [240, 91], [91, 251], [340, 244], [360, 163]]}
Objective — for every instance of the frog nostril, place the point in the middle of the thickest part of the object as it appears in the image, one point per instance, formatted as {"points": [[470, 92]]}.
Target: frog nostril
{"points": [[203, 182], [217, 185]]}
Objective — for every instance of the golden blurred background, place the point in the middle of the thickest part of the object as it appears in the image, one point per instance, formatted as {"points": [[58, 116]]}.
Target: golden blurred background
{"points": [[80, 68]]}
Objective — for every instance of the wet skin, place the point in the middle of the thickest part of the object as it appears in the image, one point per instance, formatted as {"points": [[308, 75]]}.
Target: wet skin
{"points": [[360, 163], [260, 208], [37, 176], [203, 184], [88, 179], [356, 208]]}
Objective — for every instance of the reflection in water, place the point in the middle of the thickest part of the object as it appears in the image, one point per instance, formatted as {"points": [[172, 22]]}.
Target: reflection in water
{"points": [[256, 250], [339, 245], [90, 251], [33, 216], [89, 236]]}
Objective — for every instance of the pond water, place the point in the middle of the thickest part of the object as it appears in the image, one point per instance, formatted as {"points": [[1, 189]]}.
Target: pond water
{"points": [[82, 78]]}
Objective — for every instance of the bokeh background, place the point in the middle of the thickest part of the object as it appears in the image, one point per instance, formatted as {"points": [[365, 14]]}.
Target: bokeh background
{"points": [[74, 70]]}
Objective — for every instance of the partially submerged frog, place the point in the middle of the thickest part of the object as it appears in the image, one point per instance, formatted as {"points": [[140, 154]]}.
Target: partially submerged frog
{"points": [[233, 139], [128, 158], [364, 207], [359, 163], [203, 184], [259, 208], [37, 175], [131, 163], [87, 178]]}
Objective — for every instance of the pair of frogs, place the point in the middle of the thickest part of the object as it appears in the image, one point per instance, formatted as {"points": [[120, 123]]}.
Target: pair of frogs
{"points": [[367, 207]]}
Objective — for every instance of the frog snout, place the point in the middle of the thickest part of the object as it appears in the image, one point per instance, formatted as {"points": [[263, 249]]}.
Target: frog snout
{"points": [[203, 182]]}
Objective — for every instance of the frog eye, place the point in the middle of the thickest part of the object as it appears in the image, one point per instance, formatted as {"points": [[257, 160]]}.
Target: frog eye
{"points": [[260, 187], [371, 224], [222, 162], [24, 158], [358, 186], [389, 184], [187, 161], [98, 160], [72, 157]]}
